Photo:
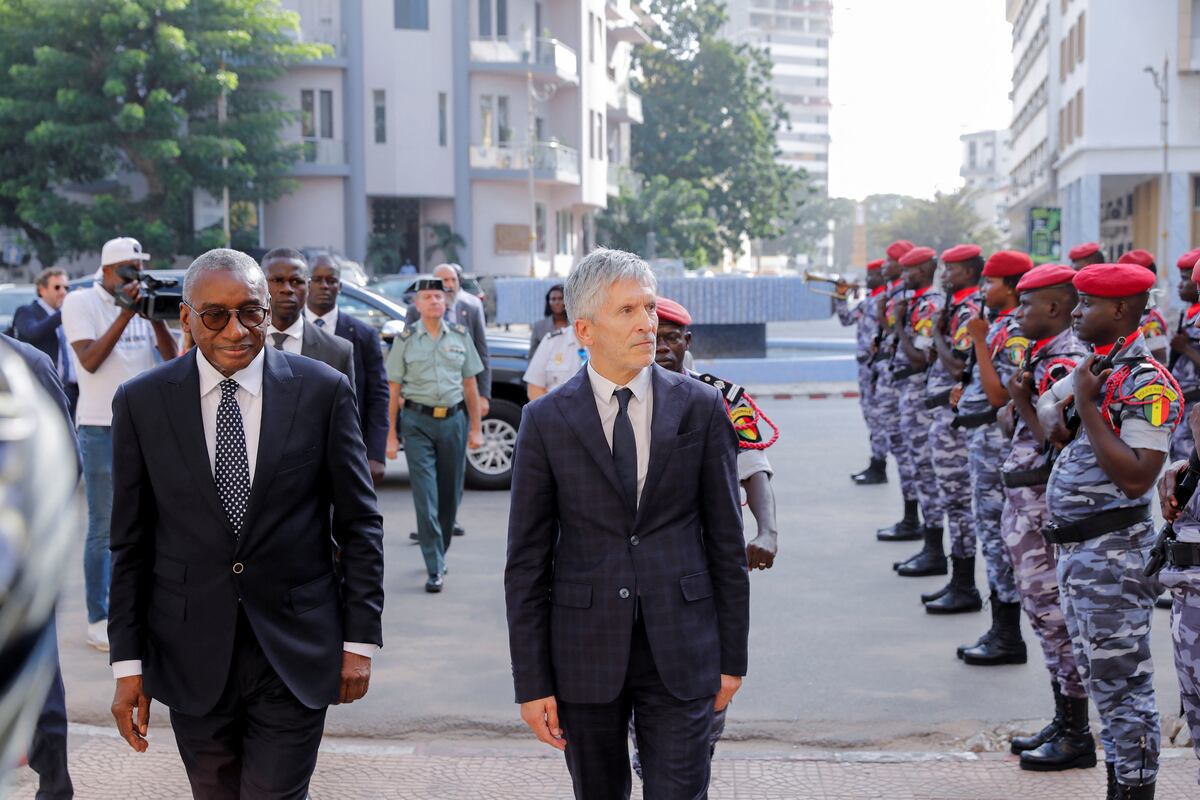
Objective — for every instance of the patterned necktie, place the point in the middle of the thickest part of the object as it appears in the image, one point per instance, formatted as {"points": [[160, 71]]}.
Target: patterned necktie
{"points": [[320, 323], [232, 469], [279, 338], [624, 449]]}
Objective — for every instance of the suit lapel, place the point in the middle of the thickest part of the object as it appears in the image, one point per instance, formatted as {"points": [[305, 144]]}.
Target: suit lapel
{"points": [[281, 394], [577, 404], [670, 396], [181, 396], [310, 345]]}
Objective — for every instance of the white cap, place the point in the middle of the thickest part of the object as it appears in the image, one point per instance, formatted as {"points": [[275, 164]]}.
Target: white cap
{"points": [[122, 249]]}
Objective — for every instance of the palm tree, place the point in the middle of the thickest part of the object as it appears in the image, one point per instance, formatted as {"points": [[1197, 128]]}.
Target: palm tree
{"points": [[443, 238]]}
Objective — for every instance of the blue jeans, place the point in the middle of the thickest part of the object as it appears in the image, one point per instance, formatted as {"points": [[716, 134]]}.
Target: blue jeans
{"points": [[95, 444]]}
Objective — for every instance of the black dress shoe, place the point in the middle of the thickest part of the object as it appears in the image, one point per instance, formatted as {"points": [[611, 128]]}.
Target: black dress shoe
{"points": [[412, 537], [458, 530], [434, 584], [1164, 601]]}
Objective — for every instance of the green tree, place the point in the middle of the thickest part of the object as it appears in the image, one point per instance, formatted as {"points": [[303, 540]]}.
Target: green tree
{"points": [[108, 116], [811, 224], [443, 239], [940, 223], [674, 211]]}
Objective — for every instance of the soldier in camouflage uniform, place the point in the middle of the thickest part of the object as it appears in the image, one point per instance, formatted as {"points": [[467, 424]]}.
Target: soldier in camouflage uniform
{"points": [[1153, 324], [948, 442], [998, 350], [1098, 495], [887, 397], [909, 368], [865, 315], [1047, 299], [1184, 361]]}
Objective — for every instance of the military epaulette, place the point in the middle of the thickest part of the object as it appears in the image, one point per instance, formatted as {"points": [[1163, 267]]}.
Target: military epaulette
{"points": [[405, 334], [731, 391], [556, 332], [457, 328]]}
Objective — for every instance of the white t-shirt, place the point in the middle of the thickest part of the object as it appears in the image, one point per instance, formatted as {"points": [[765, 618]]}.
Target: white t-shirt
{"points": [[86, 315]]}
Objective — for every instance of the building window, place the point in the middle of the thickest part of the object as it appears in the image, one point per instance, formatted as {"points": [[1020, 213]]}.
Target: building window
{"points": [[485, 19], [502, 19], [380, 116], [1079, 37], [503, 131], [441, 119], [591, 134], [539, 225], [497, 21], [1071, 50], [1062, 60], [1079, 113], [598, 136], [564, 233], [591, 38], [412, 14], [308, 114], [326, 114]]}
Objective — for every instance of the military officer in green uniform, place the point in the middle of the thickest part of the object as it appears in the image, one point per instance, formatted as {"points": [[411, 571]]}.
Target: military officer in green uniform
{"points": [[431, 371]]}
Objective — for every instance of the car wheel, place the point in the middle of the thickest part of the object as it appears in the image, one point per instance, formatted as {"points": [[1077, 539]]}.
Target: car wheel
{"points": [[490, 467]]}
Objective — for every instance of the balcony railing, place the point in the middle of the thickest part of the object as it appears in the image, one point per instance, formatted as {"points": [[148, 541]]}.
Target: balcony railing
{"points": [[550, 54], [559, 160], [620, 176], [323, 151], [625, 105]]}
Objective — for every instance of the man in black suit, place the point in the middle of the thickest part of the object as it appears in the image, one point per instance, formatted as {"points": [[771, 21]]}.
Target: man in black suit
{"points": [[371, 386], [626, 580], [40, 324], [287, 281], [238, 470]]}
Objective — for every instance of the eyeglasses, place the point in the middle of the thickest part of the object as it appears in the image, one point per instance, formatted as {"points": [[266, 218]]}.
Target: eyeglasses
{"points": [[215, 319]]}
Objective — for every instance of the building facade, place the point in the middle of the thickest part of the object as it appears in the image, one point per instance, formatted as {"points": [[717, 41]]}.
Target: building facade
{"points": [[984, 170], [490, 119]]}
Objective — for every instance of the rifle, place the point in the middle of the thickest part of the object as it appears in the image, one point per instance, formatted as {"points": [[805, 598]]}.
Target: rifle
{"points": [[1173, 358], [1184, 489], [1070, 413]]}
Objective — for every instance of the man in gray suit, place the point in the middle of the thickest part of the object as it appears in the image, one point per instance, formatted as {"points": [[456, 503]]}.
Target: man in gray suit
{"points": [[287, 281]]}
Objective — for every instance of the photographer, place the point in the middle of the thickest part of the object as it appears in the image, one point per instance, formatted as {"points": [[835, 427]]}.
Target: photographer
{"points": [[111, 342]]}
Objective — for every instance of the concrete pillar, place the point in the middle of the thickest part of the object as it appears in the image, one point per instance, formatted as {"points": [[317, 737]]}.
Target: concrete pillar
{"points": [[353, 92], [460, 137], [1178, 240], [1087, 211]]}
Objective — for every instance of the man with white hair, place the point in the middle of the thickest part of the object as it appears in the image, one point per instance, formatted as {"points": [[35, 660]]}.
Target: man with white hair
{"points": [[626, 580]]}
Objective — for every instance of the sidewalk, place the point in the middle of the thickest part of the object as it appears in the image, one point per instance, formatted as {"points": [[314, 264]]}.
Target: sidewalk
{"points": [[104, 767]]}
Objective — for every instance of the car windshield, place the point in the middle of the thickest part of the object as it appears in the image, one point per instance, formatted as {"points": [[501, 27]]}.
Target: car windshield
{"points": [[395, 288], [374, 311]]}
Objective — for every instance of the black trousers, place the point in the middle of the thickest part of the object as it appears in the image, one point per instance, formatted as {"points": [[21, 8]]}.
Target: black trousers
{"points": [[672, 735], [259, 742], [48, 751]]}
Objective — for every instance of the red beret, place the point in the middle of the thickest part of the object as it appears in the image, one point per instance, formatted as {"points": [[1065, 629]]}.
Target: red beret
{"points": [[1083, 251], [897, 249], [962, 252], [1046, 275], [1142, 258], [874, 265], [1005, 263], [1188, 260], [1114, 280], [670, 311], [917, 255]]}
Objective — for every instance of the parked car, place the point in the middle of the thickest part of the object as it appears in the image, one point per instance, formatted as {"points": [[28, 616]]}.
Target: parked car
{"points": [[12, 297], [399, 287]]}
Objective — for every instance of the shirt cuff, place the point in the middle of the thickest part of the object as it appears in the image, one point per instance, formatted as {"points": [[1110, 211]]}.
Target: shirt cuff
{"points": [[126, 669], [360, 649]]}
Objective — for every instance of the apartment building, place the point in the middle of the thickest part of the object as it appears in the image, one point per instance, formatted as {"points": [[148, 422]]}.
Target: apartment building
{"points": [[984, 170]]}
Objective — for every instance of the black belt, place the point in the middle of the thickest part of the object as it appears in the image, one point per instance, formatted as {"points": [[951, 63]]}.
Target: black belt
{"points": [[1191, 395], [976, 420], [437, 412], [1057, 532], [938, 400], [1026, 477], [1183, 554], [907, 372]]}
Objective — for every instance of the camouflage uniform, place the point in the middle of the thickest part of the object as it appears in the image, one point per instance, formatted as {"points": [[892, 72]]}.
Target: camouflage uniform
{"points": [[1184, 583], [915, 419], [1154, 330], [866, 316], [987, 448], [1033, 559], [1106, 600], [948, 443], [887, 400], [1188, 376]]}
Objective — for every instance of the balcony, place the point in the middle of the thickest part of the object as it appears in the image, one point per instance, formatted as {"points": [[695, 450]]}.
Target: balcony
{"points": [[620, 176], [627, 30], [624, 105], [321, 158], [550, 59], [325, 32], [551, 161]]}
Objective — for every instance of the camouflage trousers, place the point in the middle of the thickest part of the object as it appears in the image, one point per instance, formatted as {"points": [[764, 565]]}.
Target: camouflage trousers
{"points": [[876, 426], [915, 420], [1108, 604], [948, 452], [1185, 635], [887, 401], [986, 450], [1035, 569], [1182, 443]]}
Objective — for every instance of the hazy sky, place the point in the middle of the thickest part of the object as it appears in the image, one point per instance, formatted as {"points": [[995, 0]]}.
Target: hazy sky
{"points": [[906, 78]]}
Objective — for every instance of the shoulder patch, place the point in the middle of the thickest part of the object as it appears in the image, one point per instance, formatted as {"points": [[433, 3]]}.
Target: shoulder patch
{"points": [[556, 332], [458, 328], [405, 334], [730, 391]]}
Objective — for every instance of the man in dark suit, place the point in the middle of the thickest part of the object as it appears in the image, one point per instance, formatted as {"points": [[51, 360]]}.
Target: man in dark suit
{"points": [[287, 280], [371, 386], [626, 580], [40, 324], [238, 470]]}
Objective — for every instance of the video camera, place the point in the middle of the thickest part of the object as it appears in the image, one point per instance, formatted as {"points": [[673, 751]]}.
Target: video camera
{"points": [[158, 298]]}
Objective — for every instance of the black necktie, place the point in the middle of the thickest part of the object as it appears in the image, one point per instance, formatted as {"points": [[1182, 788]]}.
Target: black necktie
{"points": [[232, 469], [624, 449], [279, 338]]}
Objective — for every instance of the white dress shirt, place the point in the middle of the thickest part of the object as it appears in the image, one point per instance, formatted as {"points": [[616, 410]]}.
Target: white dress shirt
{"points": [[294, 342], [249, 400], [641, 409], [330, 319]]}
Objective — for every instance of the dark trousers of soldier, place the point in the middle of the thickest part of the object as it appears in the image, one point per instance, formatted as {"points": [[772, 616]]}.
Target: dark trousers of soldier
{"points": [[887, 400], [436, 453], [1184, 584], [915, 420], [1107, 604], [948, 452], [876, 427], [987, 449], [1035, 569]]}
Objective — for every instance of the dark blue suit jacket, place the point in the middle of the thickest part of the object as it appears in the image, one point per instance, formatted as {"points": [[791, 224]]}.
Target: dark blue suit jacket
{"points": [[370, 383], [175, 594], [574, 546], [47, 375], [32, 324]]}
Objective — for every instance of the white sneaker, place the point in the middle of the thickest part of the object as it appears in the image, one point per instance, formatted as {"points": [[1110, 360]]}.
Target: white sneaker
{"points": [[97, 635]]}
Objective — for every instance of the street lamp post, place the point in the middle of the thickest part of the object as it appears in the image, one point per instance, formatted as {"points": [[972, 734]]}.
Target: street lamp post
{"points": [[1164, 194]]}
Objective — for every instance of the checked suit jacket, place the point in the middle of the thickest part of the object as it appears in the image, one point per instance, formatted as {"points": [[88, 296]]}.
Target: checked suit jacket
{"points": [[580, 562]]}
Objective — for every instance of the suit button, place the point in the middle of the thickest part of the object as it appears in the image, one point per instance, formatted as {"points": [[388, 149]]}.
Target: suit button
{"points": [[238, 568], [623, 594], [635, 541]]}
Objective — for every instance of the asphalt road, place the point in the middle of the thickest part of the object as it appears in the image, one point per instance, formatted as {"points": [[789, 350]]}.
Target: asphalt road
{"points": [[841, 653]]}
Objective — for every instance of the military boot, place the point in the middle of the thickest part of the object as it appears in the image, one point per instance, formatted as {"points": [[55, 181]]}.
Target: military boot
{"points": [[1006, 646], [987, 636], [927, 597], [1113, 786], [907, 529], [1020, 744], [962, 596], [1143, 792], [1072, 747], [875, 473], [930, 561]]}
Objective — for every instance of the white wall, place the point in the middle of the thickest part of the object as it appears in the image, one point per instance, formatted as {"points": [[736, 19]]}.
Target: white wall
{"points": [[311, 216]]}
